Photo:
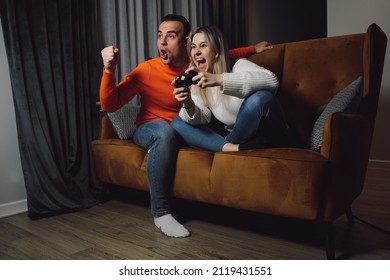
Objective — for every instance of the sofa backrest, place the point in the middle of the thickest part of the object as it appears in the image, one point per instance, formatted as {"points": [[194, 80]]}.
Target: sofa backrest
{"points": [[312, 72]]}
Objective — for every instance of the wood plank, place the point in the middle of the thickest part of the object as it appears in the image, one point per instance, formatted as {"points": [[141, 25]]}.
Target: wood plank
{"points": [[122, 228]]}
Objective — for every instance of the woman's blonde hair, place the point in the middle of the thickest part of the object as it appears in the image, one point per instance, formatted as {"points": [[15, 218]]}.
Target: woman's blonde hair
{"points": [[216, 41]]}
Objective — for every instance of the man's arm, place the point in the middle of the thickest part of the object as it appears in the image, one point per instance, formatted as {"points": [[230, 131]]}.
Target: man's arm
{"points": [[113, 96], [248, 51]]}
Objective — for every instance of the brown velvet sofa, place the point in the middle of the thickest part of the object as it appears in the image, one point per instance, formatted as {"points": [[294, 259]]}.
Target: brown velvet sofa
{"points": [[290, 182]]}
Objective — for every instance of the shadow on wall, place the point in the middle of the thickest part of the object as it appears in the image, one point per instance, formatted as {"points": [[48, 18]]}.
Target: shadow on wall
{"points": [[282, 21], [381, 135]]}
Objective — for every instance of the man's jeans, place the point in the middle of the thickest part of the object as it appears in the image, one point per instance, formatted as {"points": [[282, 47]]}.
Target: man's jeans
{"points": [[161, 141]]}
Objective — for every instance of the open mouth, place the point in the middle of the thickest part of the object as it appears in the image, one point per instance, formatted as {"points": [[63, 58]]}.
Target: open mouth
{"points": [[201, 62], [163, 54]]}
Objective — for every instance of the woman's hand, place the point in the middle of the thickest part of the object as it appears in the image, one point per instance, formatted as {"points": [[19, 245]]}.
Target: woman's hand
{"points": [[183, 94], [206, 79]]}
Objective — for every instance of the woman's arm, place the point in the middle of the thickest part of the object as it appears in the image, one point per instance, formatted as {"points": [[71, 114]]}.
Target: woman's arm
{"points": [[247, 77], [197, 112], [194, 110]]}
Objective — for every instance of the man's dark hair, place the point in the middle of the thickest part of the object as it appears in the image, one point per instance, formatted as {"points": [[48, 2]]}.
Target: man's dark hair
{"points": [[179, 18]]}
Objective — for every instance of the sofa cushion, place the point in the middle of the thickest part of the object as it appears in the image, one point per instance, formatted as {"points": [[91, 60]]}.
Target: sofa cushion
{"points": [[347, 100], [123, 120]]}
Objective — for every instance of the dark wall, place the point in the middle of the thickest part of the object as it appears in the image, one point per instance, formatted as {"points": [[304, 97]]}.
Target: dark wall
{"points": [[281, 21]]}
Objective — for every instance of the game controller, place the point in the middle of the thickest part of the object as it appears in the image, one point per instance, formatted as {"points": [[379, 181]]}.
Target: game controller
{"points": [[185, 79]]}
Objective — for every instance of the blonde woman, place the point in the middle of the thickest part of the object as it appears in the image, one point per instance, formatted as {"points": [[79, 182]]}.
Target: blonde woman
{"points": [[227, 109]]}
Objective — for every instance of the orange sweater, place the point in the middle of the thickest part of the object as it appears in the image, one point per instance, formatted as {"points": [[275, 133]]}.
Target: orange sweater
{"points": [[242, 52], [152, 81]]}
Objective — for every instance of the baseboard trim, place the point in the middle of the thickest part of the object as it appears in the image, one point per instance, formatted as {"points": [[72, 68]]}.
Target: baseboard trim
{"points": [[12, 208], [375, 163]]}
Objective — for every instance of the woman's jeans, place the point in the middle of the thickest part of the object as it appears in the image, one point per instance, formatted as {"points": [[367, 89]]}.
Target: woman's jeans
{"points": [[161, 141], [260, 117]]}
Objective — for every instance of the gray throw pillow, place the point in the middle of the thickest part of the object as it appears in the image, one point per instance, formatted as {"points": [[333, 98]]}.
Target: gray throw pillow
{"points": [[347, 100], [123, 120]]}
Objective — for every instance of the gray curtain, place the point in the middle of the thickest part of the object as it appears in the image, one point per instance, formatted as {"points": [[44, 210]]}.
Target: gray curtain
{"points": [[131, 25], [53, 62], [230, 16]]}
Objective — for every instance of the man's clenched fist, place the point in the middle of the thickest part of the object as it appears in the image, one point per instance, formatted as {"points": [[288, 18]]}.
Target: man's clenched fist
{"points": [[110, 57]]}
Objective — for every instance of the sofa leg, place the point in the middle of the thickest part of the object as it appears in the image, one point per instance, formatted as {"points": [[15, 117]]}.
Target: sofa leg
{"points": [[330, 251], [349, 214]]}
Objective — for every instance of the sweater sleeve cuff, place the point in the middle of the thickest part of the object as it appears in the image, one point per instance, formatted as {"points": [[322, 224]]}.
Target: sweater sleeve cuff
{"points": [[232, 84]]}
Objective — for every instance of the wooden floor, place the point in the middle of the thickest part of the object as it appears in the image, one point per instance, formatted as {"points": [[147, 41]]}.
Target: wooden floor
{"points": [[120, 229]]}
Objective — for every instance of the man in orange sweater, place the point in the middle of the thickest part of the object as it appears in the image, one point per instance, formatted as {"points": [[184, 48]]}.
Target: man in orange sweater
{"points": [[151, 80]]}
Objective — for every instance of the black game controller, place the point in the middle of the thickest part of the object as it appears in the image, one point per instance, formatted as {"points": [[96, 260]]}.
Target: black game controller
{"points": [[185, 79]]}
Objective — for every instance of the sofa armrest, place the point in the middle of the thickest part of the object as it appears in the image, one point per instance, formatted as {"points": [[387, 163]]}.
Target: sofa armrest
{"points": [[106, 131], [346, 134], [346, 143]]}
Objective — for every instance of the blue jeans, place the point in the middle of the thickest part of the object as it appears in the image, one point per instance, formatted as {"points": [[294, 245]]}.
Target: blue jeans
{"points": [[161, 141], [260, 117]]}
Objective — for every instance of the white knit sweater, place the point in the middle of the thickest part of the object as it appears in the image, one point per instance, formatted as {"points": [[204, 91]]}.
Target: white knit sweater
{"points": [[224, 103]]}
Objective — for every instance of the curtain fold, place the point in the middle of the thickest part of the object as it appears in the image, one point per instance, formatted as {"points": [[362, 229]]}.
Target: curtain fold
{"points": [[55, 71], [230, 16]]}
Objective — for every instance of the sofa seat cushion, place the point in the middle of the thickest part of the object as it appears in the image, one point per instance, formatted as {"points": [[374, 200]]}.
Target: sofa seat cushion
{"points": [[120, 162], [283, 181]]}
